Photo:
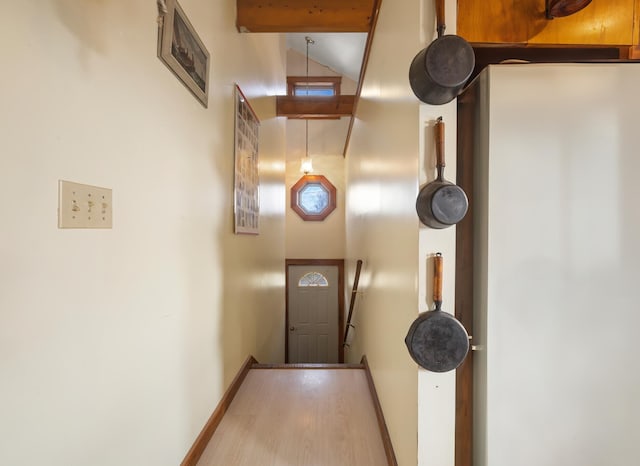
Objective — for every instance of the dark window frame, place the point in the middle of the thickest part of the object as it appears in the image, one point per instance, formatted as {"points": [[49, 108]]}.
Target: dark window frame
{"points": [[313, 82], [297, 188]]}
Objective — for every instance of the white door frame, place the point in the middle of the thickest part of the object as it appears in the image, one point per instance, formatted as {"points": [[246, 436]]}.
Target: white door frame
{"points": [[335, 262]]}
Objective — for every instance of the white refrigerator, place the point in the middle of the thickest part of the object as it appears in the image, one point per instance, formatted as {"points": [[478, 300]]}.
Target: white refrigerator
{"points": [[556, 309]]}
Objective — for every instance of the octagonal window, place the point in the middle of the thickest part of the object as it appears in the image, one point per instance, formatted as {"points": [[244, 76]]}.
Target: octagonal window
{"points": [[313, 197]]}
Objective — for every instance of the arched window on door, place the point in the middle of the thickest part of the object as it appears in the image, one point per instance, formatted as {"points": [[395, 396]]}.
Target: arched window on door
{"points": [[313, 279]]}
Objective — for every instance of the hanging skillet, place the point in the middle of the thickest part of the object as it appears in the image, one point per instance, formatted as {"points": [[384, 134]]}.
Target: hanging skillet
{"points": [[439, 72], [436, 340], [441, 203], [557, 8]]}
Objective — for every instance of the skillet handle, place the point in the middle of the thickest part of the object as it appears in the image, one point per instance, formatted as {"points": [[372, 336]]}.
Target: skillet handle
{"points": [[439, 138], [440, 17], [437, 280]]}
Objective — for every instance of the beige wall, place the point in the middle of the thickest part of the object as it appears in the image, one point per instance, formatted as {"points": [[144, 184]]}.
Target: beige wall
{"points": [[382, 227], [325, 239], [116, 345], [390, 156], [436, 391], [317, 240]]}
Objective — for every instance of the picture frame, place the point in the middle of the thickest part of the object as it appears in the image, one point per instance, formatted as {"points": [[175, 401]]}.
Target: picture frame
{"points": [[246, 198], [183, 52]]}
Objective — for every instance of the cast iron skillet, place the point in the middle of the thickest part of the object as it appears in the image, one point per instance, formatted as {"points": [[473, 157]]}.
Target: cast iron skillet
{"points": [[441, 203], [436, 340], [557, 8], [439, 72]]}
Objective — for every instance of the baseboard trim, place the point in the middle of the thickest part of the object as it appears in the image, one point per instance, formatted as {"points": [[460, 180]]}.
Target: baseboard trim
{"points": [[194, 454], [307, 366], [382, 425]]}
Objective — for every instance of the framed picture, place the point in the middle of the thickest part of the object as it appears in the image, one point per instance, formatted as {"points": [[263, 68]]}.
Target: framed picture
{"points": [[246, 183], [180, 48]]}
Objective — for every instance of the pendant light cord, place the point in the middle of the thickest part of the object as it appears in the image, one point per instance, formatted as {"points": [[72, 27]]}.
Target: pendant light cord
{"points": [[306, 121]]}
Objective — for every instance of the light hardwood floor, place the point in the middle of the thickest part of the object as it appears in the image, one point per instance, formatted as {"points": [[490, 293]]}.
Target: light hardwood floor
{"points": [[299, 417]]}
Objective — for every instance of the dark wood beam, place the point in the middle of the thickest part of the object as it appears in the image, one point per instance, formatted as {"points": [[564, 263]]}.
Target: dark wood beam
{"points": [[487, 54], [314, 107], [464, 292], [304, 15]]}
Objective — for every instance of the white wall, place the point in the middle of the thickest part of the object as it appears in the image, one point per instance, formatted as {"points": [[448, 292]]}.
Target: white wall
{"points": [[115, 345], [297, 65]]}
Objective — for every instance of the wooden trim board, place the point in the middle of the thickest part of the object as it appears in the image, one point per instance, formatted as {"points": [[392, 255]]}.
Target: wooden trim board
{"points": [[303, 16], [194, 454], [382, 425], [464, 279], [307, 366], [313, 107]]}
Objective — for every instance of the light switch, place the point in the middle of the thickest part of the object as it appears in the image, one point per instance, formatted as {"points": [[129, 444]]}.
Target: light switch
{"points": [[83, 206]]}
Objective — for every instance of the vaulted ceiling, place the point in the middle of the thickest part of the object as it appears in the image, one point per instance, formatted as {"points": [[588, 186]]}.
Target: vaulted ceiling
{"points": [[346, 28]]}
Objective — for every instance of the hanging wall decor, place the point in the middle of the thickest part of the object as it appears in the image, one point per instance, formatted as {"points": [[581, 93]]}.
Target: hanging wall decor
{"points": [[180, 48], [247, 182]]}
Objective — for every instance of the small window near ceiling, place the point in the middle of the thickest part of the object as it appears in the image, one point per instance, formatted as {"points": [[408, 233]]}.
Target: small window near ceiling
{"points": [[317, 91], [314, 86], [313, 279]]}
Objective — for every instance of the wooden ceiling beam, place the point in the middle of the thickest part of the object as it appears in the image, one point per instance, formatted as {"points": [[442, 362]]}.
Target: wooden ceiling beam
{"points": [[304, 15], [314, 107]]}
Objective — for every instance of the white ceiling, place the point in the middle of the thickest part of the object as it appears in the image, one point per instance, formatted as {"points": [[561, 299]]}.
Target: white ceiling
{"points": [[342, 52]]}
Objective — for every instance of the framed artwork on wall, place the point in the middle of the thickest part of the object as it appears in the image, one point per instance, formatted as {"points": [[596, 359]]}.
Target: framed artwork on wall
{"points": [[247, 182], [180, 48]]}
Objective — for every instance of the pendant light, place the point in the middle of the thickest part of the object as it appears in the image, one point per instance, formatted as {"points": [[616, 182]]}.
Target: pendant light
{"points": [[306, 166]]}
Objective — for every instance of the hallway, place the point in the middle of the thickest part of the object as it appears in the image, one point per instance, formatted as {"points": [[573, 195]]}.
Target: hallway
{"points": [[304, 414]]}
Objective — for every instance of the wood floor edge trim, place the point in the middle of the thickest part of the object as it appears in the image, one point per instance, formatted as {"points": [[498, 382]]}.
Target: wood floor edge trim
{"points": [[382, 425], [196, 450], [307, 366]]}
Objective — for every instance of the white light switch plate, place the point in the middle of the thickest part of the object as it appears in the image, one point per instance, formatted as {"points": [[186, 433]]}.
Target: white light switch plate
{"points": [[83, 206]]}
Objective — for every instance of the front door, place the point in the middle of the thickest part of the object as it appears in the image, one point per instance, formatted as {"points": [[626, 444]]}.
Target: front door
{"points": [[313, 313]]}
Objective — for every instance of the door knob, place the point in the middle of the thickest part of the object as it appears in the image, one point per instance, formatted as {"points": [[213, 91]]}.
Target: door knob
{"points": [[292, 328]]}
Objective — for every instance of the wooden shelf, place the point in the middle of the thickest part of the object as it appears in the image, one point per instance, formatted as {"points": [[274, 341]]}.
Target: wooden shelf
{"points": [[304, 15], [504, 21], [315, 107]]}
